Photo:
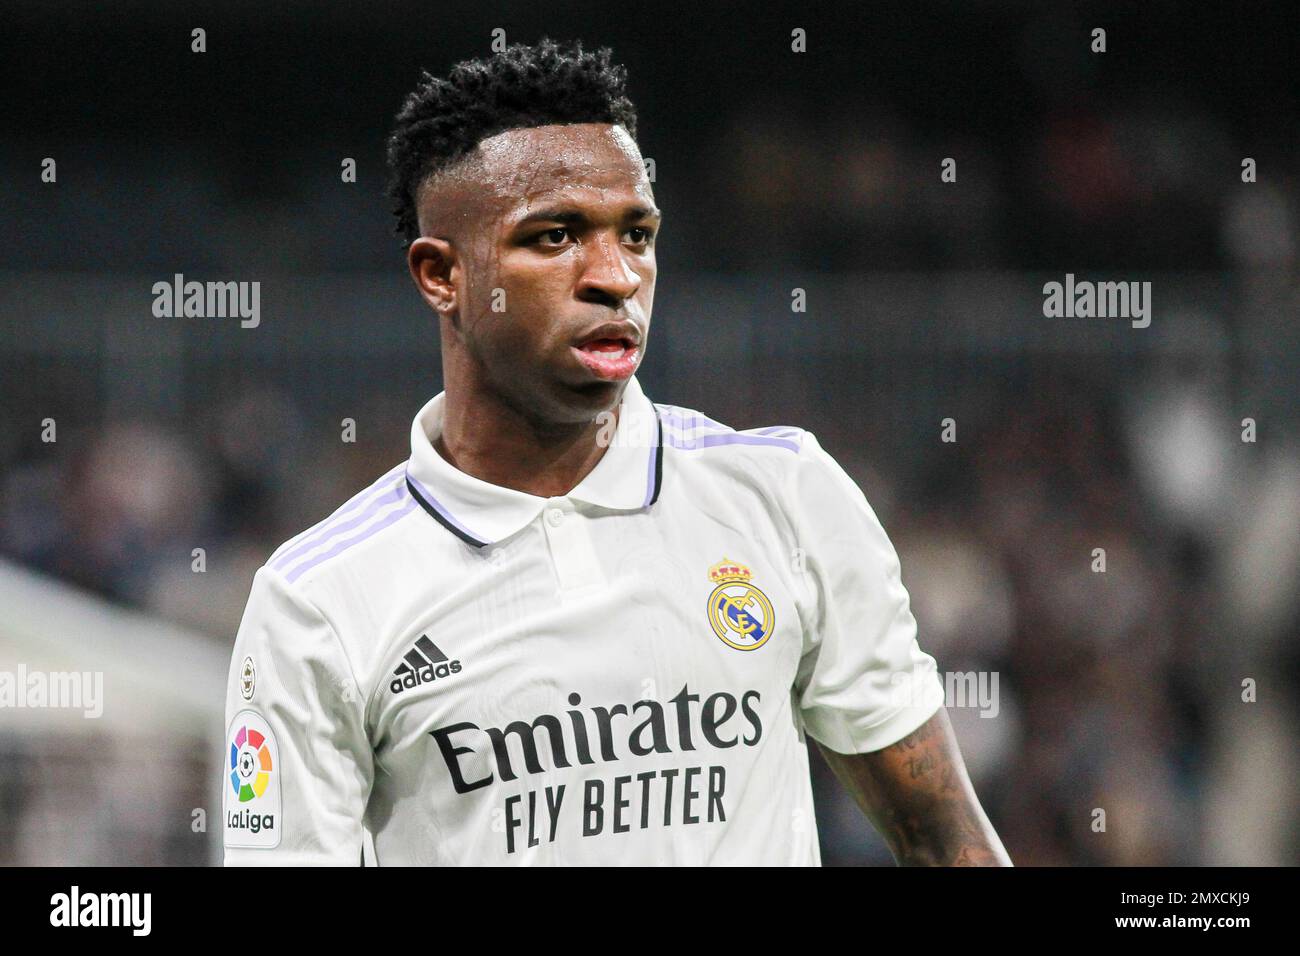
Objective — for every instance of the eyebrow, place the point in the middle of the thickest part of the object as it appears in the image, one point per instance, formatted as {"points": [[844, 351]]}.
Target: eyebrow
{"points": [[567, 214]]}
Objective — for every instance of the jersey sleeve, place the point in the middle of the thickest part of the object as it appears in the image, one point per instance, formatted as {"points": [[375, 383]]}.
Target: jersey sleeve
{"points": [[863, 681], [297, 759]]}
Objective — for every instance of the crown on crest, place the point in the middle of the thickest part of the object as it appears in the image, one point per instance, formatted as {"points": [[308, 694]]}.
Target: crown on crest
{"points": [[726, 571]]}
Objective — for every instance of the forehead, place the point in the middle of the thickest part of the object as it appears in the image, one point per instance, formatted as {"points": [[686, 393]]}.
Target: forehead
{"points": [[579, 161]]}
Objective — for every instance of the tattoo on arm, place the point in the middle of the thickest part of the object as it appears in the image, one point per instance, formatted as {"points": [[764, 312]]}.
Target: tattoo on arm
{"points": [[918, 796]]}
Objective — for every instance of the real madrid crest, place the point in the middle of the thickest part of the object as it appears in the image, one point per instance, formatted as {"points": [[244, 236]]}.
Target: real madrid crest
{"points": [[740, 614]]}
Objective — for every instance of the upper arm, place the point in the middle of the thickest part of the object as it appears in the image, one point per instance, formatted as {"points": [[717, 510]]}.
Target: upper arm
{"points": [[297, 763], [862, 681], [865, 690]]}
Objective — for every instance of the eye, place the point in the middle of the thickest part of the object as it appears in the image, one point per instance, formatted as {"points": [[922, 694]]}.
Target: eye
{"points": [[551, 238], [646, 235]]}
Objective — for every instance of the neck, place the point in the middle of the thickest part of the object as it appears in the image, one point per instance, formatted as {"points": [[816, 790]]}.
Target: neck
{"points": [[495, 442]]}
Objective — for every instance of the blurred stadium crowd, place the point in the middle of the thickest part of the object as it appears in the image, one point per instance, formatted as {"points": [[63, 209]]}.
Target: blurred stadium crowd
{"points": [[1119, 691]]}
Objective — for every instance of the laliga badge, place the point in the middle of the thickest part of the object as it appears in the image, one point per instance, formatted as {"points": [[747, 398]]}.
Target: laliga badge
{"points": [[252, 787]]}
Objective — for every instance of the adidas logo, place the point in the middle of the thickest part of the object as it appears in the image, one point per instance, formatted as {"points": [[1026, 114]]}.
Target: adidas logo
{"points": [[422, 664]]}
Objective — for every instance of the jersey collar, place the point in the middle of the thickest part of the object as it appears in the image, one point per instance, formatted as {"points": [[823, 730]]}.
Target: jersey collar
{"points": [[627, 477]]}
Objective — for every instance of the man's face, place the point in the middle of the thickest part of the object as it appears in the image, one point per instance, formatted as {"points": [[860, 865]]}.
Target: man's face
{"points": [[553, 230]]}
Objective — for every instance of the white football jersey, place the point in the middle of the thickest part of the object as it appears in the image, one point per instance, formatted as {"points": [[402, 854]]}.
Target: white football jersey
{"points": [[446, 671]]}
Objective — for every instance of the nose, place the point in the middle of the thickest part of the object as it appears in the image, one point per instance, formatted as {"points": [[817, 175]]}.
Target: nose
{"points": [[606, 276]]}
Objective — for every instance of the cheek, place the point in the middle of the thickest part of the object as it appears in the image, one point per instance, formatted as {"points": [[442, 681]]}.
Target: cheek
{"points": [[516, 311], [540, 280], [537, 296]]}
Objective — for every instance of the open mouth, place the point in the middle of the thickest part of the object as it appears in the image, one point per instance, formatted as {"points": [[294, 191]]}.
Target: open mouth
{"points": [[610, 359]]}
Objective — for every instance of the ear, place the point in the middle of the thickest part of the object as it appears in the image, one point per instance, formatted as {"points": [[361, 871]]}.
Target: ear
{"points": [[431, 262]]}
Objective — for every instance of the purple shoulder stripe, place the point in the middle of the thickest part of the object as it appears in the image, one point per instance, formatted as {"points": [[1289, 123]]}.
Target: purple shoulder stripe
{"points": [[735, 438], [354, 510], [370, 531]]}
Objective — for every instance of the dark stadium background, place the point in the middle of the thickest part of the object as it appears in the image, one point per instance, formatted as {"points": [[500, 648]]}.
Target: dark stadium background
{"points": [[776, 170]]}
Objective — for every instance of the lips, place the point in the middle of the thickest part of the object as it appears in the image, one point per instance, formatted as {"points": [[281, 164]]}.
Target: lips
{"points": [[612, 359], [610, 351]]}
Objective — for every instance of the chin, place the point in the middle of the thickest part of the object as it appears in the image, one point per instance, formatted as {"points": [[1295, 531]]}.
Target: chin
{"points": [[587, 399]]}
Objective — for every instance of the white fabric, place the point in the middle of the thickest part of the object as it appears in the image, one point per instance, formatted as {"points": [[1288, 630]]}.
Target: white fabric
{"points": [[583, 624]]}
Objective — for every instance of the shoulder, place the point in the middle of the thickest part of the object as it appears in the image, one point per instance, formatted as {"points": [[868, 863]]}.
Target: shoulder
{"points": [[786, 464], [347, 535], [691, 430], [773, 452]]}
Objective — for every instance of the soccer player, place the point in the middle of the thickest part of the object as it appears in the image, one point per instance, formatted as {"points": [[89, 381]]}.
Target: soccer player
{"points": [[575, 626]]}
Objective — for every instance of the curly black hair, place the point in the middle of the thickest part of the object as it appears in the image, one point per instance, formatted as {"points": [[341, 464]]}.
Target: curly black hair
{"points": [[522, 86]]}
